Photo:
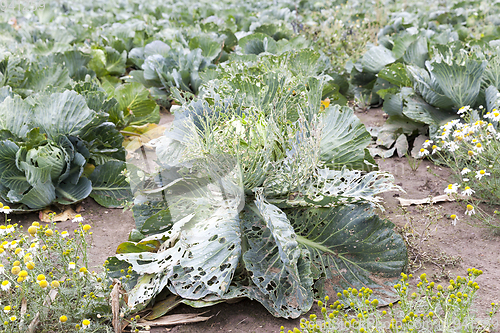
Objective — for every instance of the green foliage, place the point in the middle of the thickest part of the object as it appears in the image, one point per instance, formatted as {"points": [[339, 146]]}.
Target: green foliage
{"points": [[430, 308], [47, 140], [255, 180], [46, 285]]}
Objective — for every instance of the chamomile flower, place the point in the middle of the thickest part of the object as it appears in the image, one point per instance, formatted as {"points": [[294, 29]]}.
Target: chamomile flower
{"points": [[435, 149], [479, 148], [7, 309], [454, 219], [423, 152], [85, 323], [5, 285], [470, 210], [490, 128], [78, 218], [495, 116], [83, 271], [5, 210], [467, 191], [452, 188], [427, 143], [465, 171], [71, 265], [451, 146], [481, 173], [464, 109], [2, 269], [64, 234]]}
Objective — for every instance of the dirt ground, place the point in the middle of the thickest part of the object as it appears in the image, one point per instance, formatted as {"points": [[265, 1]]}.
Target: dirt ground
{"points": [[437, 247]]}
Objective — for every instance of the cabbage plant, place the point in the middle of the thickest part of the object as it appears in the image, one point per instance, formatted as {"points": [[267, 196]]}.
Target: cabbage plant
{"points": [[255, 195], [49, 144]]}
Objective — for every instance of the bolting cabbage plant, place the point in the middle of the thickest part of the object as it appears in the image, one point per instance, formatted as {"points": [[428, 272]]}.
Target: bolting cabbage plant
{"points": [[49, 145], [255, 195]]}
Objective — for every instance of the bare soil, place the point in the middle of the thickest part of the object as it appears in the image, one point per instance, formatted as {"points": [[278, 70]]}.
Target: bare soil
{"points": [[437, 248]]}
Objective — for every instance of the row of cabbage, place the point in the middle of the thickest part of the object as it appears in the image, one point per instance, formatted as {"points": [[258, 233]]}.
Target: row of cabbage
{"points": [[426, 66], [118, 61], [263, 188]]}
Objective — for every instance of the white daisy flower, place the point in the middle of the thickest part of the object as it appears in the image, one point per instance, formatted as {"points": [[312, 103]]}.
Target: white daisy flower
{"points": [[452, 146], [85, 323], [71, 265], [2, 269], [479, 148], [470, 210], [464, 109], [454, 219], [468, 191], [481, 173], [427, 143], [423, 152], [5, 210], [452, 188], [490, 128], [5, 285], [64, 234], [78, 218], [435, 149]]}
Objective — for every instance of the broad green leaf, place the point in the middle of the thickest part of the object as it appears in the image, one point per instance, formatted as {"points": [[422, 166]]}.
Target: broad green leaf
{"points": [[306, 63], [135, 106], [492, 96], [333, 187], [68, 193], [418, 110], [40, 195], [258, 43], [393, 104], [376, 58], [343, 138], [273, 257], [209, 231], [417, 52], [401, 44], [429, 88], [131, 247], [108, 61], [15, 116], [15, 180], [350, 247], [61, 114], [5, 92], [460, 83], [75, 61], [156, 47], [401, 145], [109, 186], [209, 49], [395, 74], [8, 152]]}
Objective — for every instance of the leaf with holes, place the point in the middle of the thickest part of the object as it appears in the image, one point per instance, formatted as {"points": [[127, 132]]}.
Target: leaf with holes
{"points": [[350, 246]]}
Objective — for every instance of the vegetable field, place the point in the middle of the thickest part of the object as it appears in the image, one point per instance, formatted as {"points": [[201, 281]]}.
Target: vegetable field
{"points": [[237, 162]]}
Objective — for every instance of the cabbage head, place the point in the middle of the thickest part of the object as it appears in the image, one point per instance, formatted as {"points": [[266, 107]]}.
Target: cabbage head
{"points": [[47, 156], [47, 141]]}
